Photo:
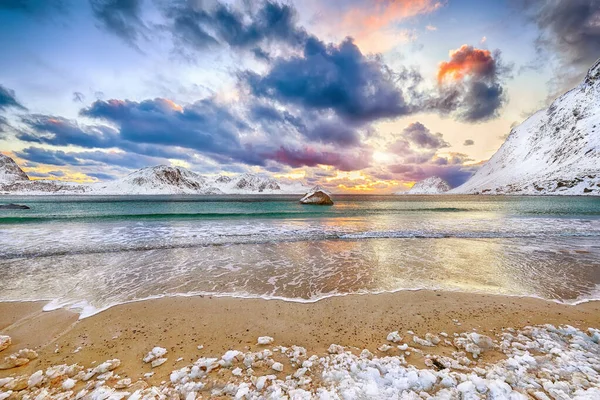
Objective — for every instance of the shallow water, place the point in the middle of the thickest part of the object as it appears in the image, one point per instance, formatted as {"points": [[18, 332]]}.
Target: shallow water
{"points": [[106, 250]]}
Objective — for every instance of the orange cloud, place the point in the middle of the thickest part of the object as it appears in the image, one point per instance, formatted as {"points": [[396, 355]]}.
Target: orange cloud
{"points": [[467, 61], [371, 24]]}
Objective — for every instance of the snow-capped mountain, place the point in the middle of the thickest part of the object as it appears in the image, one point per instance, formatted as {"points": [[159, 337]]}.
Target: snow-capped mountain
{"points": [[431, 185], [249, 183], [555, 151], [9, 171], [160, 179], [163, 179]]}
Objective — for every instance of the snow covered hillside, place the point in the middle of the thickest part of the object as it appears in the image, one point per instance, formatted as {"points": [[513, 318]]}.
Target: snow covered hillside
{"points": [[431, 185], [160, 179], [556, 151], [10, 171]]}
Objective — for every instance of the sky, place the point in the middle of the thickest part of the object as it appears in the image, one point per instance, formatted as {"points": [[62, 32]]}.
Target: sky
{"points": [[354, 95]]}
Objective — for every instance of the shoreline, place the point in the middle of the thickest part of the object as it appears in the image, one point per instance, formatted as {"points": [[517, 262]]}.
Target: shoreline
{"points": [[406, 344], [181, 323], [49, 305]]}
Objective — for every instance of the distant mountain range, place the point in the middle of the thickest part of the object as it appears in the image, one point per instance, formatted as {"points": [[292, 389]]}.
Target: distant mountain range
{"points": [[160, 179], [555, 151]]}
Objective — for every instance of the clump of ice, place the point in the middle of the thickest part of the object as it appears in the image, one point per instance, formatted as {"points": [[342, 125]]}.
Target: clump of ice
{"points": [[265, 340], [544, 362], [394, 337], [155, 357], [5, 341]]}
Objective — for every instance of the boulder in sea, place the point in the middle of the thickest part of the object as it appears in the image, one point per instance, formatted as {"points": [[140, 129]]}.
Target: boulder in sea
{"points": [[317, 196], [13, 207]]}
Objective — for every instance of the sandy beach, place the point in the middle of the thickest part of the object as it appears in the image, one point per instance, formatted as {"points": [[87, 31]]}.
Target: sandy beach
{"points": [[182, 324]]}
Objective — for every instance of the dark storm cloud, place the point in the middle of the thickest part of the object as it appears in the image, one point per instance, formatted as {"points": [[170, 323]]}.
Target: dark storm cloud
{"points": [[121, 18], [419, 135], [195, 26], [570, 28], [312, 126], [101, 176], [470, 85], [63, 132], [86, 158], [204, 126], [8, 99], [43, 156], [308, 157], [337, 78], [469, 142]]}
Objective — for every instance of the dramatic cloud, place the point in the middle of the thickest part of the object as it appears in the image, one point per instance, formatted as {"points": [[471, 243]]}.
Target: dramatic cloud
{"points": [[374, 23], [204, 126], [336, 78], [422, 137], [196, 26], [44, 156], [569, 28], [101, 176], [417, 148], [469, 142], [86, 158], [63, 132], [470, 85], [308, 157], [8, 99], [467, 61], [120, 17]]}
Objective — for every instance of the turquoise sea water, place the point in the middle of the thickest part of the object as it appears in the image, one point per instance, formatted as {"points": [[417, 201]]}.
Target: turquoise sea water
{"points": [[99, 251]]}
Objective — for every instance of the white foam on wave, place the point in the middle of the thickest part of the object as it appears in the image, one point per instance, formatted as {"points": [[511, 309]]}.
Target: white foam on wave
{"points": [[85, 309]]}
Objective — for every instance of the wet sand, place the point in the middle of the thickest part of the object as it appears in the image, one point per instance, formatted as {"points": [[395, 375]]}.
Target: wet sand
{"points": [[181, 324]]}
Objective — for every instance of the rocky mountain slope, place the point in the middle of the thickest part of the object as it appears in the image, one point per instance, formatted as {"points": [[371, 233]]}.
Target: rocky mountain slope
{"points": [[160, 179], [10, 172], [556, 151], [431, 185]]}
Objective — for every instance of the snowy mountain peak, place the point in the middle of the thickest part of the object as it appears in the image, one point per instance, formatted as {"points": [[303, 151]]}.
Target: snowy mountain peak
{"points": [[256, 183], [431, 185], [160, 179], [9, 171], [555, 151]]}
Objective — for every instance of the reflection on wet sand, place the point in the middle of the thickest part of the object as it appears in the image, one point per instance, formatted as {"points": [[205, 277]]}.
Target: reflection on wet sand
{"points": [[553, 268]]}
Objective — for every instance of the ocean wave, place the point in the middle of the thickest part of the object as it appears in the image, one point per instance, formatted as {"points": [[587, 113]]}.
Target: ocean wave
{"points": [[307, 213], [287, 237]]}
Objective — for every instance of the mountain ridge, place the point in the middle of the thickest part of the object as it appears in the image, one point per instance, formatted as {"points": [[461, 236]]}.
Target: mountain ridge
{"points": [[556, 151], [154, 180]]}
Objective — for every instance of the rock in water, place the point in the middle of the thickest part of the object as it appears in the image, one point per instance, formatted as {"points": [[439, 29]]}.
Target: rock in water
{"points": [[13, 207], [317, 196]]}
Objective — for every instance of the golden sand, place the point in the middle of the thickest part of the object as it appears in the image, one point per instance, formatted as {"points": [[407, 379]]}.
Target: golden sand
{"points": [[181, 324]]}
